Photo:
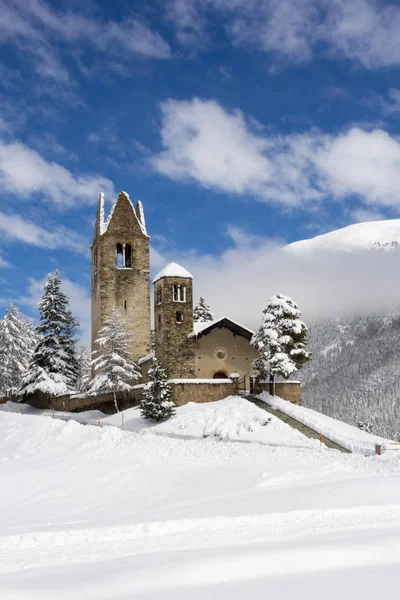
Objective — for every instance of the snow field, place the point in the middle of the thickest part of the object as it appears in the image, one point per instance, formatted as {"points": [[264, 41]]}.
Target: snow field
{"points": [[233, 418], [101, 512]]}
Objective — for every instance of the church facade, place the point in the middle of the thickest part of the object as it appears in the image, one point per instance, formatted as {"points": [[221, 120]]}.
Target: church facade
{"points": [[121, 279]]}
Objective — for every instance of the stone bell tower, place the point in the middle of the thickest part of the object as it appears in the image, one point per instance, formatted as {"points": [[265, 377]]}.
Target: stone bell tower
{"points": [[121, 271], [173, 321]]}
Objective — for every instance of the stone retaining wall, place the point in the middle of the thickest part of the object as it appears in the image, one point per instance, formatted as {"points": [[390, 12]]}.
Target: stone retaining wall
{"points": [[288, 390], [187, 391], [190, 391]]}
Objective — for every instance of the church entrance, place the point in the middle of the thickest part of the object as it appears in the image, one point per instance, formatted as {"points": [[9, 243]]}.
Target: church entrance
{"points": [[220, 375]]}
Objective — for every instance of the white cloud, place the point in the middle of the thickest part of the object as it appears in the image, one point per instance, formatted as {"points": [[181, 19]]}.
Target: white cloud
{"points": [[203, 142], [4, 264], [16, 228], [25, 172], [37, 30], [326, 284], [362, 215], [363, 31], [79, 298]]}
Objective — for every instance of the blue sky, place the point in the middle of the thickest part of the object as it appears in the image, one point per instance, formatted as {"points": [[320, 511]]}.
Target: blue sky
{"points": [[238, 123]]}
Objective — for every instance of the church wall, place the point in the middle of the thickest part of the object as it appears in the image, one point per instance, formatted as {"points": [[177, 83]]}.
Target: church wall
{"points": [[237, 357]]}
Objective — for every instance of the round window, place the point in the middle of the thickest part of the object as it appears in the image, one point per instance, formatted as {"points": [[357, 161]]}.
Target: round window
{"points": [[220, 353]]}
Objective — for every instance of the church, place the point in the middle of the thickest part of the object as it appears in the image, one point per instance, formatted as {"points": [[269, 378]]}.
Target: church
{"points": [[121, 279]]}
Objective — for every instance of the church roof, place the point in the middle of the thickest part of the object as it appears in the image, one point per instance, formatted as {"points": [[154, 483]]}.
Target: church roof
{"points": [[172, 270], [201, 329]]}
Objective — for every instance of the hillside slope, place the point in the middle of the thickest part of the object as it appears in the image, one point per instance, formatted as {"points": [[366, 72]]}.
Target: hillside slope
{"points": [[355, 371], [353, 238], [97, 512]]}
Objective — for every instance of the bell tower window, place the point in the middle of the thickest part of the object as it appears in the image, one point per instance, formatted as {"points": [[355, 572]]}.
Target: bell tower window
{"points": [[179, 316], [178, 293], [124, 256], [128, 256]]}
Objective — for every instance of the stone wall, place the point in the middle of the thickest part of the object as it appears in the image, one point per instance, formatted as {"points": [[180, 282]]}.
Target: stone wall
{"points": [[288, 390], [190, 391], [127, 289], [173, 349], [78, 403]]}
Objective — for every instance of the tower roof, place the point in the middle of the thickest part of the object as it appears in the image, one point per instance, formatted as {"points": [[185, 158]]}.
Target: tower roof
{"points": [[173, 270], [123, 196]]}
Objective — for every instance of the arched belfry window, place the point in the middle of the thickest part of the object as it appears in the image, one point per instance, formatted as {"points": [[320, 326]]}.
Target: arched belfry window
{"points": [[120, 256], [124, 256], [178, 293], [128, 256]]}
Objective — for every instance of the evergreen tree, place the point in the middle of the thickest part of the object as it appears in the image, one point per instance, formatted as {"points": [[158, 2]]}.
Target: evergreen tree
{"points": [[84, 369], [51, 366], [281, 339], [69, 342], [202, 312], [156, 404], [115, 370], [17, 341]]}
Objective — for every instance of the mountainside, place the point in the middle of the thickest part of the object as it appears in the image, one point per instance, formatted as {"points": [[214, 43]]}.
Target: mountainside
{"points": [[355, 371], [374, 235]]}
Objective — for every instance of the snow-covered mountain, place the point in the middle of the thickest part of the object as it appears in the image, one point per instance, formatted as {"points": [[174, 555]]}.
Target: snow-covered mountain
{"points": [[355, 371], [353, 238]]}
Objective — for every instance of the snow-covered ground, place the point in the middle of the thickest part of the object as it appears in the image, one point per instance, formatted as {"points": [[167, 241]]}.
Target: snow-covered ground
{"points": [[105, 513], [346, 435]]}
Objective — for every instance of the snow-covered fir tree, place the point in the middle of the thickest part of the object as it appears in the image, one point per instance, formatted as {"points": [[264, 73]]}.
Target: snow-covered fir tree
{"points": [[69, 341], [84, 368], [157, 404], [51, 369], [115, 370], [17, 342], [281, 339], [202, 312]]}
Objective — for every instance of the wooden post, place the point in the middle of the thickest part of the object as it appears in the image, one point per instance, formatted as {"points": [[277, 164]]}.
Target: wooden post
{"points": [[98, 421], [378, 449], [122, 416]]}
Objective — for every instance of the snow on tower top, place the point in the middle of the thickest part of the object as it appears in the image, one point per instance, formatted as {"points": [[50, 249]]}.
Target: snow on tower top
{"points": [[139, 215], [172, 270]]}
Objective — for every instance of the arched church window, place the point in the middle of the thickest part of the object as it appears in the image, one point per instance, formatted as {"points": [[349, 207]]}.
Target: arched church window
{"points": [[179, 316], [159, 296], [120, 257], [179, 293], [128, 256], [124, 256]]}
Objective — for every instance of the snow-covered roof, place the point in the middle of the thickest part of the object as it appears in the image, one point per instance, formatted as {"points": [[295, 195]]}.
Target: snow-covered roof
{"points": [[200, 329], [172, 270]]}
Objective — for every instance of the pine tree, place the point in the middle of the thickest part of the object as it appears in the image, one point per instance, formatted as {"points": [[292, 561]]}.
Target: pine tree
{"points": [[51, 367], [84, 369], [281, 339], [115, 370], [69, 342], [17, 341], [202, 312], [156, 404]]}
